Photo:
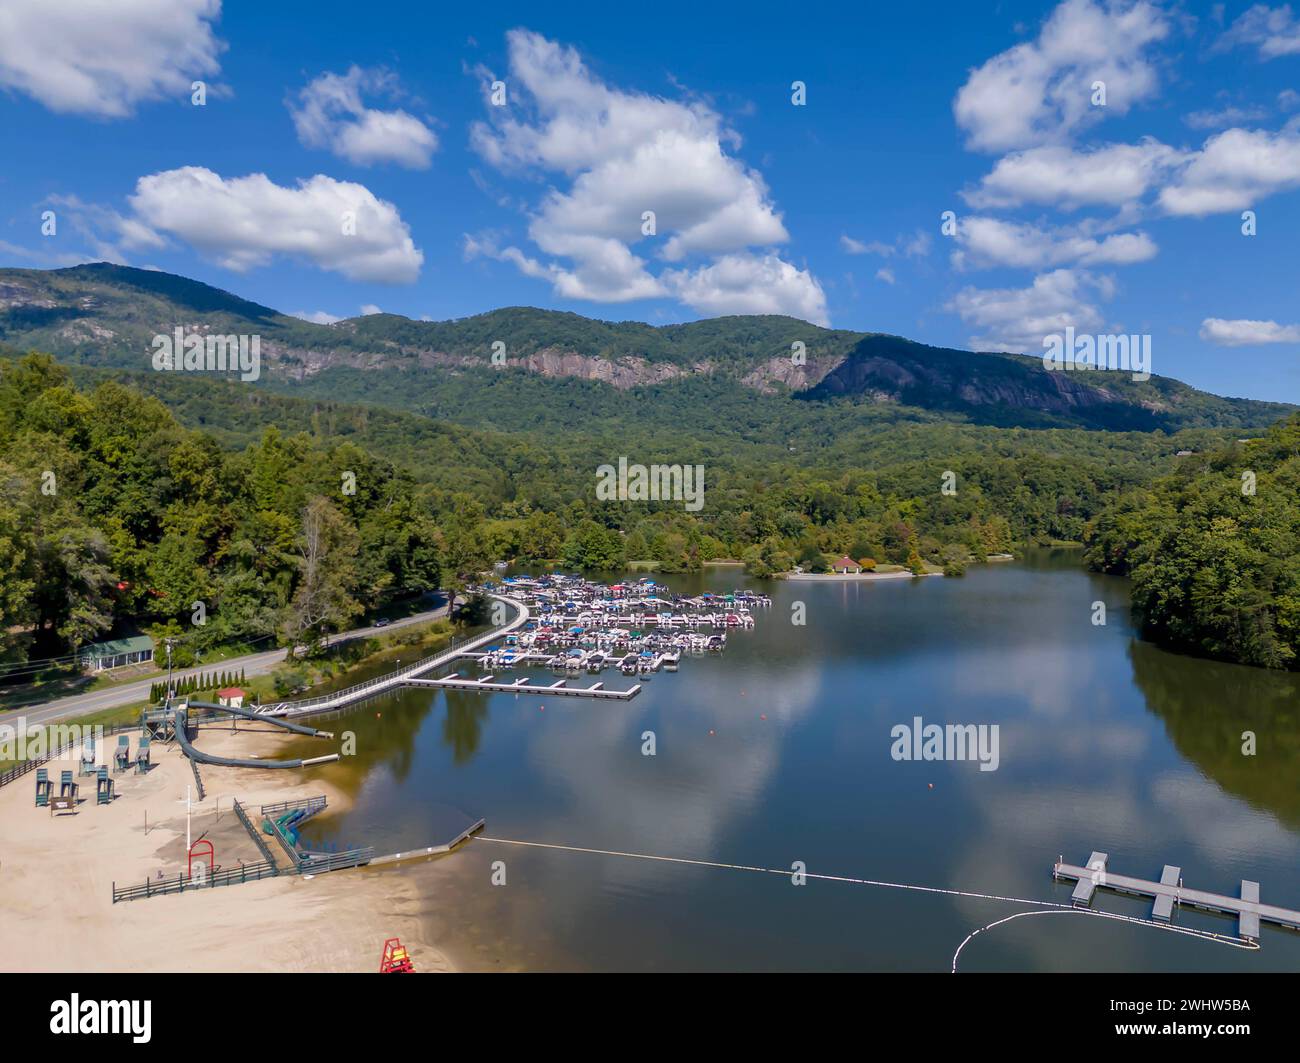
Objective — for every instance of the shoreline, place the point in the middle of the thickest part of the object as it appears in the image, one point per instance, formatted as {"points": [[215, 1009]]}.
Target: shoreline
{"points": [[852, 577], [57, 873]]}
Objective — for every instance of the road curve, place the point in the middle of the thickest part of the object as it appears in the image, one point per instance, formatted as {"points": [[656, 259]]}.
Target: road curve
{"points": [[128, 693]]}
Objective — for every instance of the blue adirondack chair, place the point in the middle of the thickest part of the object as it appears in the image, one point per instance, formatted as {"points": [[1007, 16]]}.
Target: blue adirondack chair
{"points": [[68, 788], [104, 787]]}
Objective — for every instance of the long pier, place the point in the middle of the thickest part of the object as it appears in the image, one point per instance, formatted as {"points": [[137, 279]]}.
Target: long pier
{"points": [[368, 689], [1170, 891], [523, 686]]}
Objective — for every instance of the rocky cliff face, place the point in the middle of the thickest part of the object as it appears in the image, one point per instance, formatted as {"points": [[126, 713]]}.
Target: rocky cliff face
{"points": [[886, 368], [299, 363], [107, 315]]}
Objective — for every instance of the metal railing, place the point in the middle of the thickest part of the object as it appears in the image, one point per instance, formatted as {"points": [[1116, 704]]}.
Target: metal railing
{"points": [[315, 865], [253, 833], [325, 702], [225, 877], [19, 770], [313, 804]]}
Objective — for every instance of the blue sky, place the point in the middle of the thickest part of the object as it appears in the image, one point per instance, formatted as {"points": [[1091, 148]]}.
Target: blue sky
{"points": [[1122, 216]]}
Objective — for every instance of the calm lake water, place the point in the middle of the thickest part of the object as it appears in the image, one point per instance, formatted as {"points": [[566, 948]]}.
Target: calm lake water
{"points": [[1106, 743]]}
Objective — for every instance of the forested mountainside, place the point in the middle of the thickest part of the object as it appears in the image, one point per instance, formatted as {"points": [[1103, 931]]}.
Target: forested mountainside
{"points": [[105, 315], [127, 497], [1213, 550], [177, 487]]}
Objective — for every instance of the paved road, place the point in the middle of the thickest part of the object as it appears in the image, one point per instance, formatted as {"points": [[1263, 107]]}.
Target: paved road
{"points": [[253, 664]]}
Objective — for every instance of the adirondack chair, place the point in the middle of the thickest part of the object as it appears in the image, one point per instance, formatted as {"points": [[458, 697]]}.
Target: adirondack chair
{"points": [[88, 757], [43, 787], [68, 788], [122, 755], [142, 761], [104, 787]]}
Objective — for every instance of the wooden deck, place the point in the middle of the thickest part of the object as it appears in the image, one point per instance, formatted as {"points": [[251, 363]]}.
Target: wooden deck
{"points": [[1170, 892]]}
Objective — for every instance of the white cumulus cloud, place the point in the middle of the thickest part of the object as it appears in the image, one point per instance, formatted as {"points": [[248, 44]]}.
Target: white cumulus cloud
{"points": [[1235, 170], [646, 181], [1241, 332], [1017, 319], [1040, 92], [102, 59], [317, 317], [1273, 31], [330, 114], [995, 242], [743, 283], [244, 222], [1112, 175]]}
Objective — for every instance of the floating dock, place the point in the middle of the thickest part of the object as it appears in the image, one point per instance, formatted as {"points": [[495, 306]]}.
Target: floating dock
{"points": [[524, 686], [432, 850], [1170, 891]]}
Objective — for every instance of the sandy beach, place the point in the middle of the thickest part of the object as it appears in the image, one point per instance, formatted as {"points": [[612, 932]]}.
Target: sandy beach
{"points": [[57, 873]]}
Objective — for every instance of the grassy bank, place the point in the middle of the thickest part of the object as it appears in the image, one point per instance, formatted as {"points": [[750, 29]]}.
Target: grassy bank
{"points": [[341, 666]]}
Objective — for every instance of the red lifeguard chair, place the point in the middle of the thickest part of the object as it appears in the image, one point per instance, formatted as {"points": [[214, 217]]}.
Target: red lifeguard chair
{"points": [[396, 959]]}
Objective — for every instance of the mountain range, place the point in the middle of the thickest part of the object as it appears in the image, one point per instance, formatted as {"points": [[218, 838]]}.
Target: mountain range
{"points": [[105, 316]]}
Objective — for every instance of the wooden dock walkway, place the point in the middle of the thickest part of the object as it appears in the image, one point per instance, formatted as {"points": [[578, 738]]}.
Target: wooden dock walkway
{"points": [[523, 686], [1170, 891], [380, 684], [432, 850]]}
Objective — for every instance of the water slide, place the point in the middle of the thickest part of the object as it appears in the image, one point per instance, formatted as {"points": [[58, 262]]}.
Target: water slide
{"points": [[196, 754]]}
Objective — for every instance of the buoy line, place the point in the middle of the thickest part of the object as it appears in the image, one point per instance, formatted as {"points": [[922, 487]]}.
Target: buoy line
{"points": [[1222, 939], [1044, 907]]}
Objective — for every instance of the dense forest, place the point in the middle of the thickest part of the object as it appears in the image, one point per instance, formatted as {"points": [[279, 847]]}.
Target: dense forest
{"points": [[110, 510], [147, 500], [1213, 550], [154, 499]]}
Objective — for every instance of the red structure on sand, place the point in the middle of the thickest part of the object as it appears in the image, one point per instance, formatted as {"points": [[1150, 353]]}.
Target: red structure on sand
{"points": [[396, 960]]}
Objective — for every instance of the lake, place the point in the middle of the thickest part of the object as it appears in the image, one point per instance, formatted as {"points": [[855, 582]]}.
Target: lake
{"points": [[1105, 743]]}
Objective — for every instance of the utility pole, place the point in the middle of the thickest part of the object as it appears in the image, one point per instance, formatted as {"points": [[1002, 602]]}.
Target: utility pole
{"points": [[169, 640]]}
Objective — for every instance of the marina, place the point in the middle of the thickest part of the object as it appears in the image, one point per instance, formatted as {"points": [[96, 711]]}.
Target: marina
{"points": [[568, 625]]}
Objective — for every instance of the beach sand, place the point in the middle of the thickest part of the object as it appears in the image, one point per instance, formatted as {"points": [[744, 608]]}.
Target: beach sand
{"points": [[57, 873]]}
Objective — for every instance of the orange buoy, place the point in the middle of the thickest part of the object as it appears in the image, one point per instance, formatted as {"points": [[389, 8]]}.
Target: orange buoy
{"points": [[762, 716]]}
